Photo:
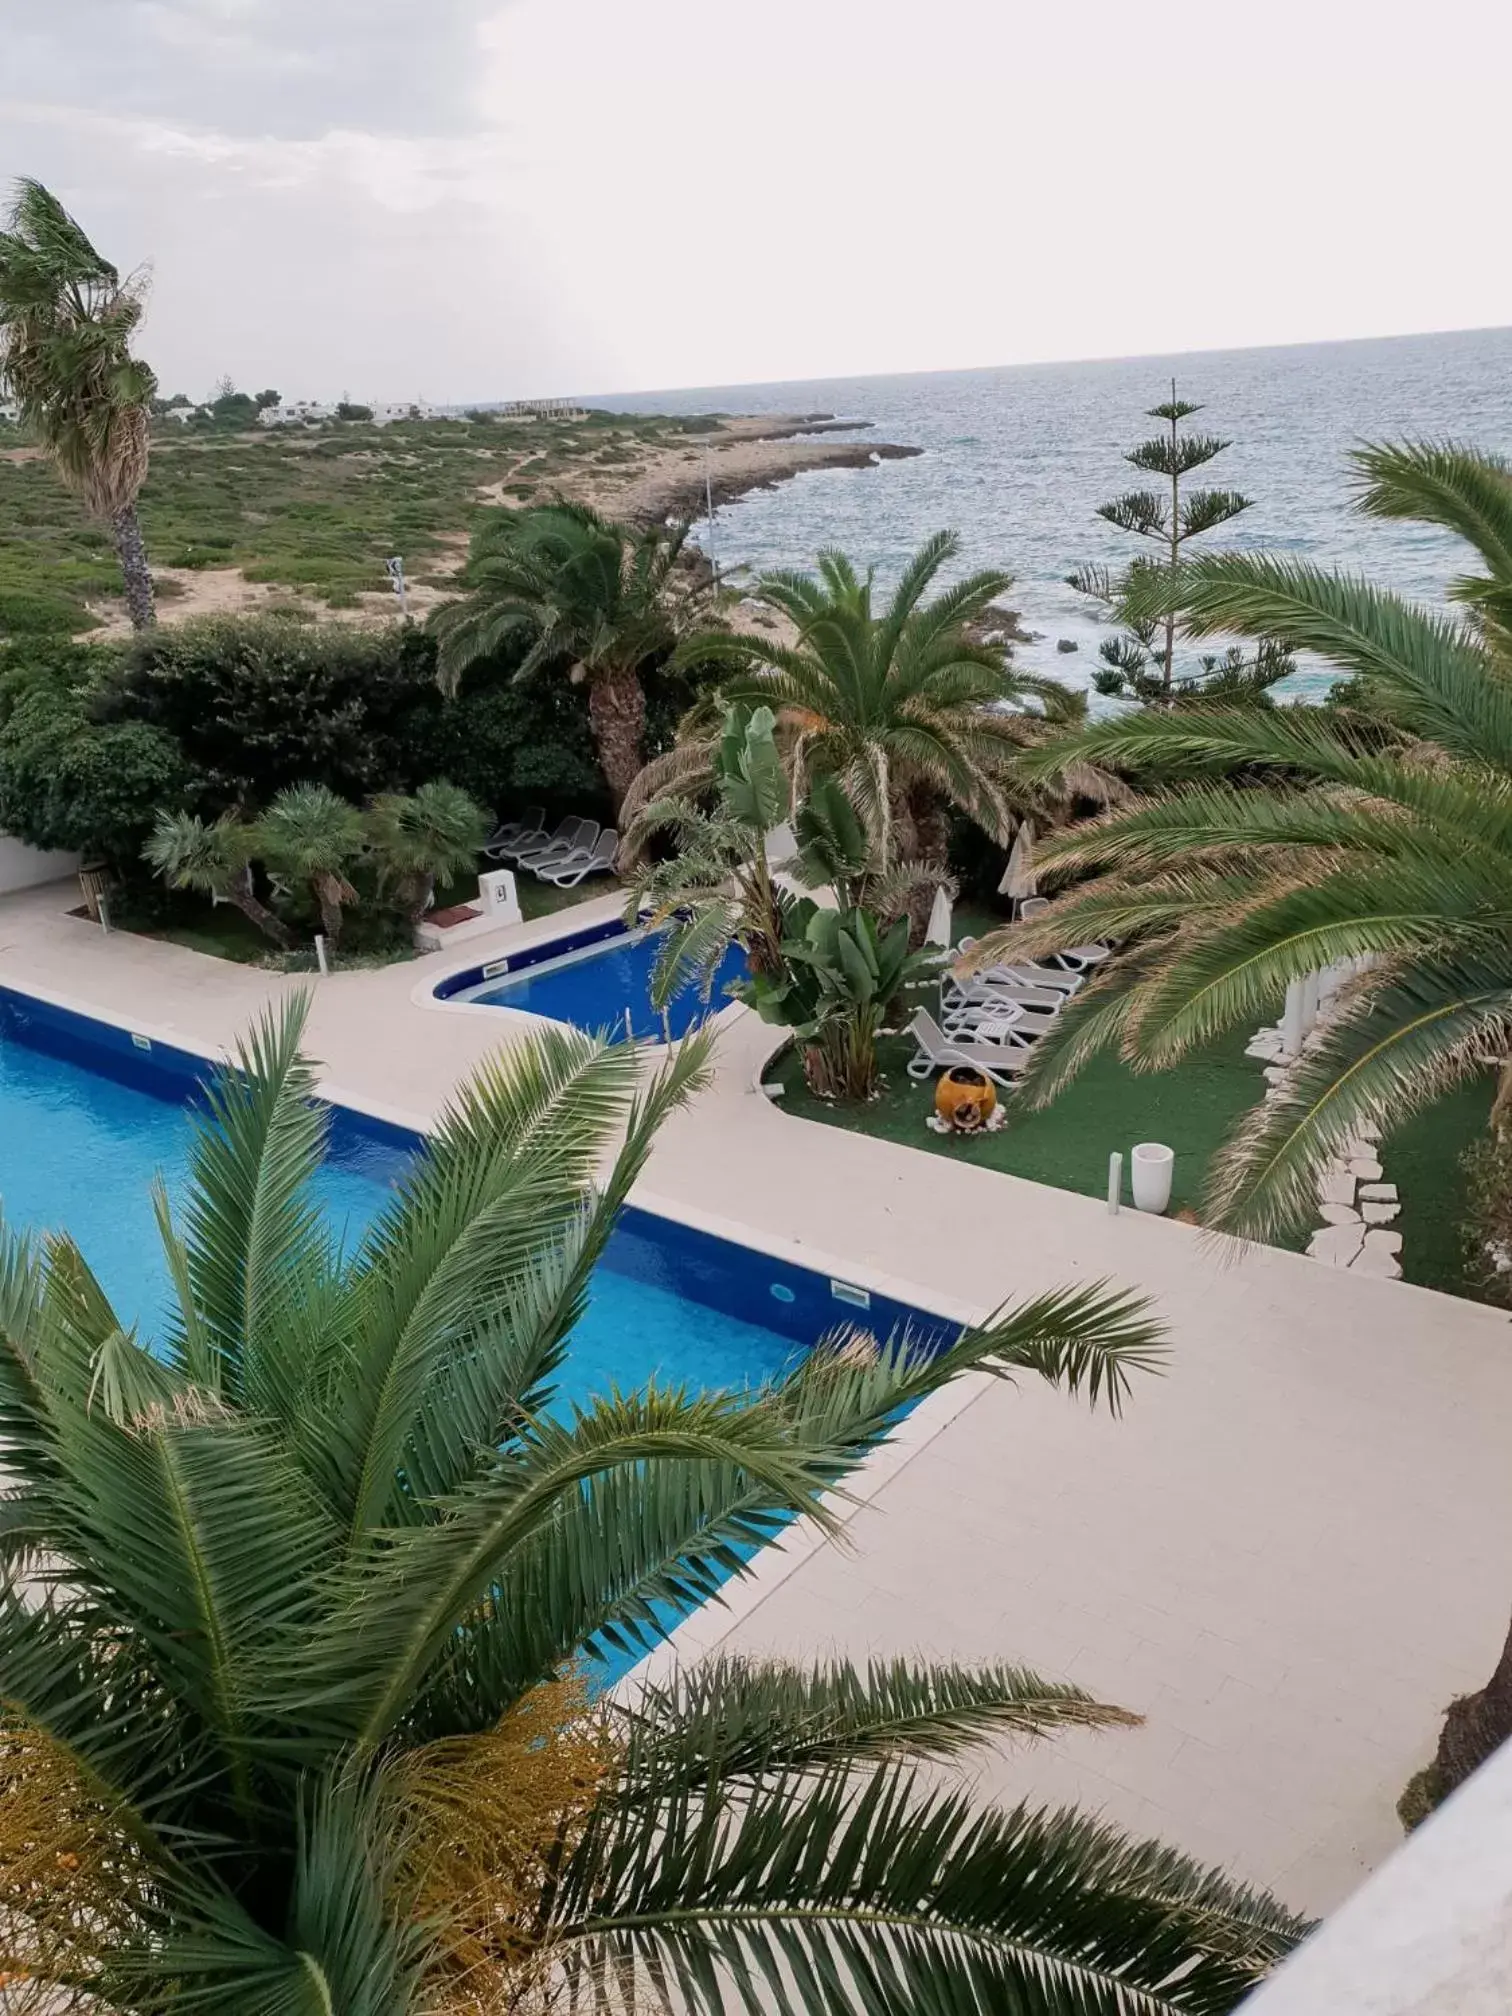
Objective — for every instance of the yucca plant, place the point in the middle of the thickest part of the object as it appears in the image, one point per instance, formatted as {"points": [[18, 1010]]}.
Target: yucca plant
{"points": [[290, 1720]]}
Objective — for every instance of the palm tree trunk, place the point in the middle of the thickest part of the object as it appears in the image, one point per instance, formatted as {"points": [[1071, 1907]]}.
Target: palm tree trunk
{"points": [[328, 896], [617, 712], [1474, 1726], [240, 893], [132, 554]]}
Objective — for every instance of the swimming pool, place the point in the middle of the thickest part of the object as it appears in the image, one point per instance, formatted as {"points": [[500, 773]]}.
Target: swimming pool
{"points": [[589, 978], [90, 1112]]}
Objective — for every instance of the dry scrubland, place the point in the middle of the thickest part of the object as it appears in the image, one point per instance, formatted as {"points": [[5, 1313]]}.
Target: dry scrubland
{"points": [[300, 520]]}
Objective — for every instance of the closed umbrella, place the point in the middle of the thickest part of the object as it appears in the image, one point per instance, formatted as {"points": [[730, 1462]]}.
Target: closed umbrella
{"points": [[1018, 877], [939, 918]]}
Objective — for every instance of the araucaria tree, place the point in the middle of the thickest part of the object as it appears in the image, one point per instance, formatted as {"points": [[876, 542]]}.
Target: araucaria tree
{"points": [[295, 1599], [602, 601], [1143, 659], [66, 323]]}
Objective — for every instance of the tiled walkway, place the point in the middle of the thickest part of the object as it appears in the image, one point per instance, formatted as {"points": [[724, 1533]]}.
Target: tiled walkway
{"points": [[1294, 1548]]}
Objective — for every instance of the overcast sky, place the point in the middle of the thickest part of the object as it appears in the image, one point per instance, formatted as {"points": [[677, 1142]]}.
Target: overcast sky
{"points": [[463, 199]]}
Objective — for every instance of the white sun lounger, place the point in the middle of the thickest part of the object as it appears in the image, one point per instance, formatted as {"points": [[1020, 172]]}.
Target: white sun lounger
{"points": [[988, 1019], [567, 870], [515, 833], [535, 843], [1001, 1060], [582, 836]]}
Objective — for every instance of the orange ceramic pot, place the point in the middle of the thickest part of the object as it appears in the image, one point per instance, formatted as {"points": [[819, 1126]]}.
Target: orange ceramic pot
{"points": [[964, 1099]]}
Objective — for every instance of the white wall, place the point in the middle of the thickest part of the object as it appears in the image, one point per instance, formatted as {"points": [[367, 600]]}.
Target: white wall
{"points": [[23, 867]]}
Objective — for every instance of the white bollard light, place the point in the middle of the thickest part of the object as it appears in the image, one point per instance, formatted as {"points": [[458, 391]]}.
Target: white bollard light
{"points": [[1115, 1183], [320, 952]]}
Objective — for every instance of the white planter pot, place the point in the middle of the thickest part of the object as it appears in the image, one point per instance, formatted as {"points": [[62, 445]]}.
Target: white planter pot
{"points": [[1150, 1169]]}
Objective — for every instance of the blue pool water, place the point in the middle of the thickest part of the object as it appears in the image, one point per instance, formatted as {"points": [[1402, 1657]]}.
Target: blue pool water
{"points": [[592, 989], [89, 1114], [78, 1152]]}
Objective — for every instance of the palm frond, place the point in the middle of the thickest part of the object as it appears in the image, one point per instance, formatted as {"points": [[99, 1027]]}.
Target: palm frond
{"points": [[729, 1717]]}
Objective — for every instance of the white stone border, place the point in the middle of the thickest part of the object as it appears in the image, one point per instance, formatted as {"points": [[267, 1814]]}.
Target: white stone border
{"points": [[1356, 1205]]}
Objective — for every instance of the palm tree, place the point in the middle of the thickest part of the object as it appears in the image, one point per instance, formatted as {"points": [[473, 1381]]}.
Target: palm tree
{"points": [[604, 600], [311, 835], [1301, 837], [906, 706], [214, 860], [289, 1723], [66, 323], [430, 837]]}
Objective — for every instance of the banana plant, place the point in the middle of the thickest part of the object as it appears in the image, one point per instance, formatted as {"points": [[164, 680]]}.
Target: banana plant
{"points": [[840, 973]]}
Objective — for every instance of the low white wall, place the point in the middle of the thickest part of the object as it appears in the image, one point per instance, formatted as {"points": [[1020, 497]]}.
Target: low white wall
{"points": [[1430, 1933], [23, 867]]}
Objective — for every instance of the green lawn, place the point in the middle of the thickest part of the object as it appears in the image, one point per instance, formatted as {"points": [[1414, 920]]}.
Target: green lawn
{"points": [[1422, 1158], [1190, 1109]]}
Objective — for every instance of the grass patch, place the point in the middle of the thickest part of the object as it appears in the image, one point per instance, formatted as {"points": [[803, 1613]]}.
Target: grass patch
{"points": [[1192, 1109], [1422, 1158]]}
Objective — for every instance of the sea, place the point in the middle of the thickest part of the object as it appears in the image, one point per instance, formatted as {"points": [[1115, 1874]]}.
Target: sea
{"points": [[1016, 460]]}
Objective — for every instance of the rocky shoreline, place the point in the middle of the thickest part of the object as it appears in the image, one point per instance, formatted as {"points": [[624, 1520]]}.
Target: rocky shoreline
{"points": [[744, 453]]}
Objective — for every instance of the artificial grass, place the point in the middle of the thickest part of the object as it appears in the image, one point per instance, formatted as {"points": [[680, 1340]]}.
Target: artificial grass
{"points": [[1423, 1159], [1192, 1109]]}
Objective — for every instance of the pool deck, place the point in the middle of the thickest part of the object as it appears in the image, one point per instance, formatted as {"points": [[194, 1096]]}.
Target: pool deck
{"points": [[1288, 1555]]}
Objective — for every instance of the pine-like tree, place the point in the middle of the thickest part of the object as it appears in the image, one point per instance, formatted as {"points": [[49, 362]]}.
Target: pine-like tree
{"points": [[1142, 659]]}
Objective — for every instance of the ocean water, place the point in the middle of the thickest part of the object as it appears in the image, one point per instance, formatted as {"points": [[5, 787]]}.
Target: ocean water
{"points": [[1017, 460]]}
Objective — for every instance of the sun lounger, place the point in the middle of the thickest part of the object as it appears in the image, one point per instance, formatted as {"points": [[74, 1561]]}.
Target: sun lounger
{"points": [[581, 833], [534, 843], [521, 832], [567, 870], [1001, 1060], [988, 1019]]}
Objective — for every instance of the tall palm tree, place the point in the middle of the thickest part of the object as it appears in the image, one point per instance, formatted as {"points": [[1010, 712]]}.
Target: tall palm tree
{"points": [[604, 600], [311, 835], [215, 860], [289, 1724], [905, 705], [66, 323]]}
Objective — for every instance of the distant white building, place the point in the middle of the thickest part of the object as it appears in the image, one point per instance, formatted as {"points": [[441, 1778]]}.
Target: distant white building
{"points": [[298, 414], [410, 409], [9, 411]]}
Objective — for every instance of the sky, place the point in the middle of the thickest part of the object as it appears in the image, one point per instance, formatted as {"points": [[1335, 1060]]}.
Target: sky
{"points": [[487, 199]]}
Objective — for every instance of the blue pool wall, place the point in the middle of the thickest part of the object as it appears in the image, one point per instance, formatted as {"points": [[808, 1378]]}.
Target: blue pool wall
{"points": [[722, 1274], [511, 963]]}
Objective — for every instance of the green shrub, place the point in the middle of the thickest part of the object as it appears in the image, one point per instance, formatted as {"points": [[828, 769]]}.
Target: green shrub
{"points": [[68, 781], [257, 704], [33, 614]]}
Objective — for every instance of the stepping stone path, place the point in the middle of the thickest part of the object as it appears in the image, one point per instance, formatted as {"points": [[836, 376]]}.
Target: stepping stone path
{"points": [[1355, 1204]]}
